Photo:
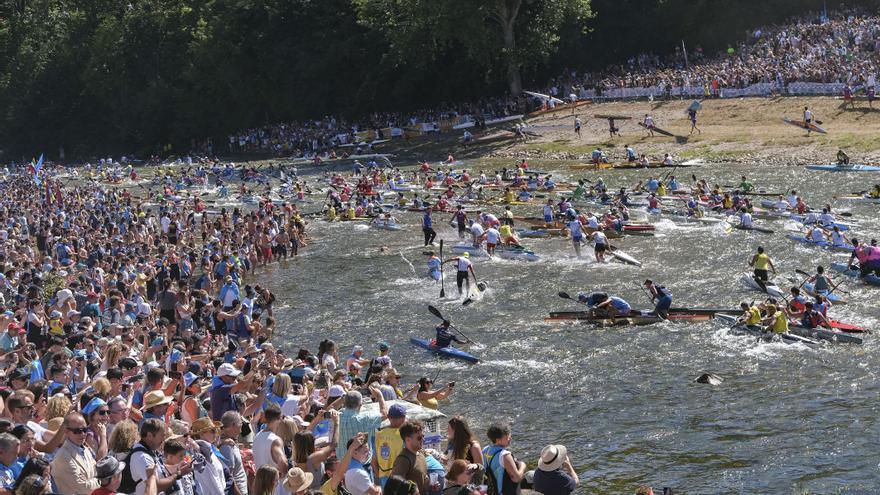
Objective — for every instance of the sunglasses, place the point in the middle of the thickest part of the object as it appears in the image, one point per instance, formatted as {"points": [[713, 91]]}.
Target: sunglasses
{"points": [[103, 412], [78, 431]]}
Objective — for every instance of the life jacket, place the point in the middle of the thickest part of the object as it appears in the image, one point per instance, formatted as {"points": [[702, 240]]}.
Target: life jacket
{"points": [[811, 319]]}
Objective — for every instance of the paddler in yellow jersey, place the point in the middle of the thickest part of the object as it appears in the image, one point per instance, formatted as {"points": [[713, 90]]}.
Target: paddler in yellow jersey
{"points": [[331, 213], [727, 202], [776, 320], [661, 189], [875, 193], [751, 314], [507, 236], [350, 213], [508, 195], [760, 261]]}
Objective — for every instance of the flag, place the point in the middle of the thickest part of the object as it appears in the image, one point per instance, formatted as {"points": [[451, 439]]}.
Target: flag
{"points": [[37, 167]]}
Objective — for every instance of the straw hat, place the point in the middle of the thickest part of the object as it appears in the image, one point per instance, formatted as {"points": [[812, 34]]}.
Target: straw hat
{"points": [[155, 398], [204, 424], [552, 457], [297, 480]]}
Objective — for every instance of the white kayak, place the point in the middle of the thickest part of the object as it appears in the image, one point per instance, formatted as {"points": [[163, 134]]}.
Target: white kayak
{"points": [[749, 280], [503, 252], [386, 226]]}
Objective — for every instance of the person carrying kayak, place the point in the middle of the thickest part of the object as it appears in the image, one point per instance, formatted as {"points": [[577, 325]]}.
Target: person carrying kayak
{"points": [[444, 337], [761, 262], [600, 243], [662, 296], [464, 269]]}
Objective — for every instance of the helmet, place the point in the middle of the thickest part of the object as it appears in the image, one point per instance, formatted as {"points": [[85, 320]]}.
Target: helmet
{"points": [[466, 254]]}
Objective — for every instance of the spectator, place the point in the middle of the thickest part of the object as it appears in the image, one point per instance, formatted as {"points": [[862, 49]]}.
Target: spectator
{"points": [[388, 444], [503, 471], [353, 421], [555, 475], [109, 474], [358, 480], [73, 467], [410, 464]]}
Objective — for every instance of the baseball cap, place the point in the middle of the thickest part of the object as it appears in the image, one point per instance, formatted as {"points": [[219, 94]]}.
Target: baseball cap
{"points": [[227, 369], [396, 411]]}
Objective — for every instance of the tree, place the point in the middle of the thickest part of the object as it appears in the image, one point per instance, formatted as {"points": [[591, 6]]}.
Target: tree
{"points": [[501, 37]]}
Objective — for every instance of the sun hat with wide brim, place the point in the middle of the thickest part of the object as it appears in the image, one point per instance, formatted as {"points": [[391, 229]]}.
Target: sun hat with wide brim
{"points": [[297, 480], [204, 424], [155, 398], [552, 457]]}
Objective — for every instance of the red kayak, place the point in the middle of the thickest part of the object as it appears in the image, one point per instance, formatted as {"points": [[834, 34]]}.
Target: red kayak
{"points": [[846, 327], [638, 228]]}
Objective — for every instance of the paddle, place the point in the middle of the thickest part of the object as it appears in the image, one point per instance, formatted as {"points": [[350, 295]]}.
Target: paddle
{"points": [[436, 312], [442, 287]]}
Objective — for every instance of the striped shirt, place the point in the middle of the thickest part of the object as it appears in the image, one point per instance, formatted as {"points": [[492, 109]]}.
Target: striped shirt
{"points": [[351, 423]]}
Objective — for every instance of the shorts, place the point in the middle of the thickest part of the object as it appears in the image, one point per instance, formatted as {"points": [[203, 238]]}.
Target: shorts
{"points": [[267, 252], [548, 218], [489, 245], [577, 238], [600, 248], [761, 275], [281, 251], [663, 304]]}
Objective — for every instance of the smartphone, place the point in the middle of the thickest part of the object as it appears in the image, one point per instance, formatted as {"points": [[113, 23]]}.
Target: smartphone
{"points": [[451, 384], [326, 414], [174, 374], [135, 378]]}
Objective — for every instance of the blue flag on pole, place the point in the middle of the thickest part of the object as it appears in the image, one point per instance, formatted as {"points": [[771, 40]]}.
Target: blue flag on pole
{"points": [[37, 167]]}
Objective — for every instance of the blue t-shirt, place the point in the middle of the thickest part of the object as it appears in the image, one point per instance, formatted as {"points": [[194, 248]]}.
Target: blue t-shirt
{"points": [[427, 221]]}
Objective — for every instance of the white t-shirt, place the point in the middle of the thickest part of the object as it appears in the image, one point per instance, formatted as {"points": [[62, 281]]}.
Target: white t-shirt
{"points": [[210, 477], [140, 461], [493, 236], [290, 406], [262, 449]]}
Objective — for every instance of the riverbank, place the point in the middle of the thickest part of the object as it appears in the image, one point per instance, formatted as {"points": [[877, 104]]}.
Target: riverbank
{"points": [[743, 130]]}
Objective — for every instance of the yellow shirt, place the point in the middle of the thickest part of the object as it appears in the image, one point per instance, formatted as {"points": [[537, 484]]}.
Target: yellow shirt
{"points": [[326, 490], [754, 316], [351, 213], [780, 322], [762, 261], [508, 197], [388, 445], [331, 213], [505, 231]]}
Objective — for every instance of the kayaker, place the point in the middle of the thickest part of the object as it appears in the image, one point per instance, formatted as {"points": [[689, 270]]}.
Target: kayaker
{"points": [[868, 258], [611, 308], [507, 236], [433, 266], [745, 218], [821, 282], [662, 296], [576, 228], [464, 269], [548, 213], [745, 185], [797, 303], [761, 262], [751, 315], [812, 318], [600, 245], [461, 221], [444, 337], [591, 299], [477, 234], [842, 158], [838, 238], [428, 227], [776, 320]]}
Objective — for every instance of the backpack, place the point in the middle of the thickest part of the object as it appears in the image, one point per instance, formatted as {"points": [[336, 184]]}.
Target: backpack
{"points": [[128, 484], [491, 482]]}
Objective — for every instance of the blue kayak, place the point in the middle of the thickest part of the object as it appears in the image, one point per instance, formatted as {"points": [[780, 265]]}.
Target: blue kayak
{"points": [[844, 269], [822, 244], [450, 352], [844, 168], [834, 298]]}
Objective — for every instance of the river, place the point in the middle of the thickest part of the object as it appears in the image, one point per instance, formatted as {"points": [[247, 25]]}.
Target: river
{"points": [[786, 418]]}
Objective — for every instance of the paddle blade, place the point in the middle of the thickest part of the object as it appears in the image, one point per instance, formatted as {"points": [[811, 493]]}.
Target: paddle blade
{"points": [[801, 272], [467, 301], [436, 312], [564, 295]]}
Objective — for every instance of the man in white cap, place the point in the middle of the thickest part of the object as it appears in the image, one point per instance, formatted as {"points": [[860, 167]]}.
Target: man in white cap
{"points": [[555, 475], [224, 386]]}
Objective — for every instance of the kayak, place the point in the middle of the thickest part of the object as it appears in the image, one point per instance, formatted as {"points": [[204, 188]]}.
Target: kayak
{"points": [[803, 125], [749, 280], [844, 269], [449, 352], [834, 298], [858, 199], [756, 229], [643, 317], [842, 226], [503, 252], [758, 331], [831, 335], [844, 168], [823, 244], [387, 227]]}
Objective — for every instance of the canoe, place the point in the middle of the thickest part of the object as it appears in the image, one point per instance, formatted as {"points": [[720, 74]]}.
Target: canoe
{"points": [[822, 244], [449, 352], [804, 219], [803, 125], [609, 117], [844, 168], [844, 269], [387, 227], [635, 318], [758, 331], [622, 257], [503, 252], [834, 298], [749, 280]]}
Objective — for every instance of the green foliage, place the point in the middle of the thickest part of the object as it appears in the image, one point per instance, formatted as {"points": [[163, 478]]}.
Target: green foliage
{"points": [[132, 76]]}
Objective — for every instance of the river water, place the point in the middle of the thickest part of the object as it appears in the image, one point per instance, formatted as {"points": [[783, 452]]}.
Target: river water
{"points": [[786, 419]]}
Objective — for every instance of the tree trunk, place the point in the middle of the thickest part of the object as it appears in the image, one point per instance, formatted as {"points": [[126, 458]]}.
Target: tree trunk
{"points": [[507, 12]]}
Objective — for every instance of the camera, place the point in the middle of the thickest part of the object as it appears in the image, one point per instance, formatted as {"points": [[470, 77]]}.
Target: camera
{"points": [[451, 384], [326, 414]]}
